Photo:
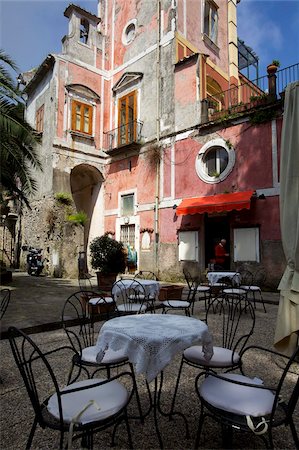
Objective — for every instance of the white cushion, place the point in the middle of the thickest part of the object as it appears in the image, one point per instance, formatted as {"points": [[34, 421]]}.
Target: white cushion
{"points": [[110, 398], [246, 288], [254, 288], [176, 303], [234, 291], [222, 357], [132, 307], [136, 297], [100, 300], [203, 288], [237, 399], [89, 354]]}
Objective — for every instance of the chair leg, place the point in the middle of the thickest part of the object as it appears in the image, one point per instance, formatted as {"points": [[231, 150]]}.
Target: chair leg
{"points": [[176, 386], [227, 436], [31, 435], [262, 300], [200, 424], [294, 433], [137, 393]]}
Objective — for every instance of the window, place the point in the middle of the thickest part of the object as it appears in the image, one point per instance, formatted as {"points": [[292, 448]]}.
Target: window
{"points": [[127, 205], [188, 246], [129, 32], [127, 119], [81, 117], [84, 31], [127, 235], [215, 161], [246, 244], [211, 21], [39, 119]]}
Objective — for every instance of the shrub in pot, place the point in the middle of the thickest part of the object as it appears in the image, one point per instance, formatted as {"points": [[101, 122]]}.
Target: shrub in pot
{"points": [[108, 258]]}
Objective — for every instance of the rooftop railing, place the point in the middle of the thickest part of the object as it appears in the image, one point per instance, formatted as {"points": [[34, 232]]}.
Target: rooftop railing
{"points": [[249, 94]]}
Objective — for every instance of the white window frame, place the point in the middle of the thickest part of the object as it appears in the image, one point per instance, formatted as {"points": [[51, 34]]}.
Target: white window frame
{"points": [[247, 244], [200, 166], [213, 8], [188, 246]]}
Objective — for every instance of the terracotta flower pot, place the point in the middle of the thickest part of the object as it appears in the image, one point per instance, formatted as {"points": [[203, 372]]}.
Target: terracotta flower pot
{"points": [[105, 281], [271, 69]]}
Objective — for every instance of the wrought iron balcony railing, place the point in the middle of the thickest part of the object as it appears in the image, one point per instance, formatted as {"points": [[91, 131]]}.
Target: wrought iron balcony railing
{"points": [[127, 134], [249, 94]]}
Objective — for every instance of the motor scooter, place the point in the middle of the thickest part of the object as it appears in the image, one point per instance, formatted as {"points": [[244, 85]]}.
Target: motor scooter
{"points": [[35, 261]]}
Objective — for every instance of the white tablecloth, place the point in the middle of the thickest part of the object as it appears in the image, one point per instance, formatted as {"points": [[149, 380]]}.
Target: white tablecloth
{"points": [[214, 277], [152, 340], [151, 287]]}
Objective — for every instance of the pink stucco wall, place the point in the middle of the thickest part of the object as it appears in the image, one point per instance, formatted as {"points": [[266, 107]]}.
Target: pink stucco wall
{"points": [[185, 76]]}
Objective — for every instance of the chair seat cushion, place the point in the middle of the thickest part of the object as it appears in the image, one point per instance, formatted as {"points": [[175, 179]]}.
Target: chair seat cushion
{"points": [[137, 297], [132, 307], [222, 357], [100, 301], [237, 399], [203, 288], [237, 291], [246, 288], [89, 354], [109, 398], [176, 303], [254, 288]]}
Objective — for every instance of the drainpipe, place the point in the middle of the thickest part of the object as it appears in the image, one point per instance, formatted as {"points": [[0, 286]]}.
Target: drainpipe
{"points": [[157, 185]]}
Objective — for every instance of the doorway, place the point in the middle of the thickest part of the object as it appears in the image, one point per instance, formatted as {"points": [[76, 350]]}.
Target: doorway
{"points": [[216, 228]]}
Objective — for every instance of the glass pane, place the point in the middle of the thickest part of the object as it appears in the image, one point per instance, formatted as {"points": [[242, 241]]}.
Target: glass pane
{"points": [[214, 18], [128, 205], [206, 19], [86, 120], [210, 163], [222, 157], [78, 117]]}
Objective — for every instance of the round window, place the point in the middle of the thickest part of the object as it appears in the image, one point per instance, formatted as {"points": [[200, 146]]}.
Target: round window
{"points": [[129, 32], [215, 161]]}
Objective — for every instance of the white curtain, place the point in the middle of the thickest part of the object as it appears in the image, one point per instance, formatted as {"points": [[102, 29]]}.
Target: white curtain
{"points": [[287, 326]]}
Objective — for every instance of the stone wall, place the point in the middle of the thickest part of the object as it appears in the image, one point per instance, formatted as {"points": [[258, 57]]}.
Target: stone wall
{"points": [[45, 226]]}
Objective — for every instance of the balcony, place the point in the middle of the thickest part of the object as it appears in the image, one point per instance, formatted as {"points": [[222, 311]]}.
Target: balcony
{"points": [[127, 135], [248, 95]]}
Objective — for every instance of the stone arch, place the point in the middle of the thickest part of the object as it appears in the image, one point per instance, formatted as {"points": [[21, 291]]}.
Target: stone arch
{"points": [[87, 189]]}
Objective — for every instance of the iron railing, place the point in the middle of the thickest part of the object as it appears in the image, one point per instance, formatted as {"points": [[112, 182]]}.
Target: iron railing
{"points": [[249, 94], [126, 134]]}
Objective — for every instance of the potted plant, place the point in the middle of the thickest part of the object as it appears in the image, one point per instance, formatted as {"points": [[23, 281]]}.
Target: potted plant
{"points": [[108, 258], [272, 68]]}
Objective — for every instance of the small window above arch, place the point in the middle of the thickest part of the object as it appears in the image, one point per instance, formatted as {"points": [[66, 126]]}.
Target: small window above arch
{"points": [[84, 30]]}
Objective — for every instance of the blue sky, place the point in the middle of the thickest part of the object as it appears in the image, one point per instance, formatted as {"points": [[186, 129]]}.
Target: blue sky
{"points": [[31, 29]]}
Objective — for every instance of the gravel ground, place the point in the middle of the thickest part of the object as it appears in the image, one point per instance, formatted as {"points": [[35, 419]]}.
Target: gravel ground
{"points": [[16, 412]]}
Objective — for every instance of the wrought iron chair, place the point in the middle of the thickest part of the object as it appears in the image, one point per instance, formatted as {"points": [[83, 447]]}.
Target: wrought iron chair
{"points": [[202, 292], [223, 316], [235, 289], [255, 286], [146, 275], [95, 297], [78, 410], [180, 304], [246, 404], [130, 297], [5, 299]]}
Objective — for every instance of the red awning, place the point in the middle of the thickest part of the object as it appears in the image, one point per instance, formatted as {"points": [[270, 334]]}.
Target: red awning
{"points": [[215, 203]]}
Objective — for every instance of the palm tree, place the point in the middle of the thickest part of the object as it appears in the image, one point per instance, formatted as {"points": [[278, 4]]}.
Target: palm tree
{"points": [[18, 140]]}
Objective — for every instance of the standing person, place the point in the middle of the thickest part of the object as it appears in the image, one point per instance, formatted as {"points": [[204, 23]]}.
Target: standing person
{"points": [[221, 255]]}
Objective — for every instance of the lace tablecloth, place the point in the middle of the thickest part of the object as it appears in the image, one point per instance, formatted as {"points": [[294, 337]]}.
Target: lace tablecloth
{"points": [[214, 277], [151, 287], [152, 340]]}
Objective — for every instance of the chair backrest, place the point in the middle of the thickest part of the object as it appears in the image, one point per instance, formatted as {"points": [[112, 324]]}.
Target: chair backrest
{"points": [[32, 362], [146, 275], [192, 283], [259, 277], [77, 321], [246, 278], [5, 298], [84, 281], [129, 292], [290, 399], [231, 321]]}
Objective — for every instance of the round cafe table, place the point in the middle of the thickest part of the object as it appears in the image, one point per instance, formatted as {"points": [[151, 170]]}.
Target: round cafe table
{"points": [[151, 341]]}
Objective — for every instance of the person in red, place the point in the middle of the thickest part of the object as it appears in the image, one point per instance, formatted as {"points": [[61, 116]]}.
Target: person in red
{"points": [[220, 254]]}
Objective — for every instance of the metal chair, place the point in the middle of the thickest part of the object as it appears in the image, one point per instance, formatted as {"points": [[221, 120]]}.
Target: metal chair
{"points": [[246, 404], [202, 292], [235, 289], [78, 410], [96, 299], [223, 316], [130, 297], [4, 301], [179, 304], [146, 275], [254, 288]]}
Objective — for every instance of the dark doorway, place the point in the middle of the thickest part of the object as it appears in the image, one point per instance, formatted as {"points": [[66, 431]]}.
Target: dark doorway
{"points": [[216, 228]]}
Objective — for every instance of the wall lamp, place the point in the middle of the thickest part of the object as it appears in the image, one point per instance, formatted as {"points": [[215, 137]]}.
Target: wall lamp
{"points": [[262, 197], [174, 206]]}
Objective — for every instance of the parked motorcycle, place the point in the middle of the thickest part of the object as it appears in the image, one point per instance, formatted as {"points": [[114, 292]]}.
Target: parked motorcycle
{"points": [[35, 261]]}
